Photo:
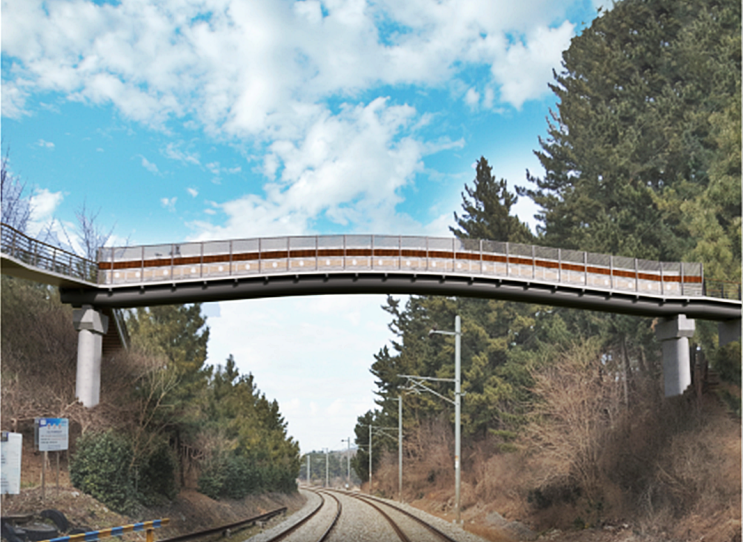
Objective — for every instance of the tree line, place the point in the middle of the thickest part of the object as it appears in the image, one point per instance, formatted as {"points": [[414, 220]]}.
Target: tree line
{"points": [[641, 159]]}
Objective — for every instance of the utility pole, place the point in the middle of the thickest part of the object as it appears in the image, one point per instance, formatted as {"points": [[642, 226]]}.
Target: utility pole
{"points": [[348, 457], [458, 414], [370, 459], [417, 384], [399, 445], [327, 450]]}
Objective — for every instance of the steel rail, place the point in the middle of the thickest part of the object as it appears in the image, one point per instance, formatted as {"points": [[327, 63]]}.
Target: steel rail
{"points": [[283, 534], [366, 498], [224, 528]]}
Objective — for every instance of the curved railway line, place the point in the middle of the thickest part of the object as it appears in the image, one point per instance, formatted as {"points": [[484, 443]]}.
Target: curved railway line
{"points": [[400, 525]]}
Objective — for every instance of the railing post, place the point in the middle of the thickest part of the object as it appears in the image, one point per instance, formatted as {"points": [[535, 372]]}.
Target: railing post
{"points": [[231, 257], [559, 265], [141, 269], [681, 274], [508, 266], [611, 272], [399, 252], [585, 268], [662, 286], [12, 245], [481, 272], [317, 252], [345, 252], [201, 265], [533, 262], [637, 278]]}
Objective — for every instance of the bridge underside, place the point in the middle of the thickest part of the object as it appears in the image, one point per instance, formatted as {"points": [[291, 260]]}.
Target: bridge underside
{"points": [[401, 283]]}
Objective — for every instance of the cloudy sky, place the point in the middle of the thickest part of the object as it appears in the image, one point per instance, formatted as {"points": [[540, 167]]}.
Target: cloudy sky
{"points": [[183, 120]]}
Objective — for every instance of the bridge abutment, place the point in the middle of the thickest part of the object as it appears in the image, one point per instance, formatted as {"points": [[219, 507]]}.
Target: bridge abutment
{"points": [[91, 326], [674, 334]]}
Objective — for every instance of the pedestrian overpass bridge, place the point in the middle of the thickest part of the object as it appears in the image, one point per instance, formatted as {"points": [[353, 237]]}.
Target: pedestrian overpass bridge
{"points": [[176, 273]]}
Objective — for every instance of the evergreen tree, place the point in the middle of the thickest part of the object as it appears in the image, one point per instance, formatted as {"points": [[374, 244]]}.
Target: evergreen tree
{"points": [[487, 210], [633, 145]]}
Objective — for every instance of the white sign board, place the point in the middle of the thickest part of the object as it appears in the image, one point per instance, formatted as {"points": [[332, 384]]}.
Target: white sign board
{"points": [[10, 463], [52, 434]]}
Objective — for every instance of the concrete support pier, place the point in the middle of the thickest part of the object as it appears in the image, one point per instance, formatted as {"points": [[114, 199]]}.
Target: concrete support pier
{"points": [[91, 326], [674, 333]]}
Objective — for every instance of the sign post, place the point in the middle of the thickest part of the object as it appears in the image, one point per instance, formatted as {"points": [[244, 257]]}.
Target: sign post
{"points": [[11, 445], [51, 435]]}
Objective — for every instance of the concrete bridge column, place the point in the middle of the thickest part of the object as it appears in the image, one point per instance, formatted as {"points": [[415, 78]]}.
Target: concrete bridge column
{"points": [[91, 326], [674, 333]]}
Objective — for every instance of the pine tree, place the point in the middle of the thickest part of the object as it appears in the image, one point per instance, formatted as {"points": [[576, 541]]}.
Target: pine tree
{"points": [[487, 210]]}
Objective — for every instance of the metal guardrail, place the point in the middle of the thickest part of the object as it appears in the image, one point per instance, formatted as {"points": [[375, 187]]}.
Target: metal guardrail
{"points": [[171, 263], [147, 526], [46, 257], [226, 528]]}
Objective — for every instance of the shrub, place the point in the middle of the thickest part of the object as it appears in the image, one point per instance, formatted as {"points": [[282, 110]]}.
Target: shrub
{"points": [[100, 468], [157, 476]]}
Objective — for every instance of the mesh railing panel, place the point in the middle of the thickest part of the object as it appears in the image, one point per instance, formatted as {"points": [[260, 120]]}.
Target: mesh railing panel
{"points": [[546, 253], [223, 262], [602, 260], [493, 247], [271, 244], [302, 243], [624, 263], [571, 256]]}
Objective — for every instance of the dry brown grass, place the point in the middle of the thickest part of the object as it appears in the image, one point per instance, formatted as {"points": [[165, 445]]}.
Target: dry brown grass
{"points": [[669, 468]]}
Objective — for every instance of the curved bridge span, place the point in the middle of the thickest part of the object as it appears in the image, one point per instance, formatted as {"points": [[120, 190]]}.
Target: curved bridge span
{"points": [[355, 264], [348, 264]]}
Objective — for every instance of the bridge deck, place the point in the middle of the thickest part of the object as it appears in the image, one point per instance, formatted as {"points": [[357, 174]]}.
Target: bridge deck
{"points": [[310, 265]]}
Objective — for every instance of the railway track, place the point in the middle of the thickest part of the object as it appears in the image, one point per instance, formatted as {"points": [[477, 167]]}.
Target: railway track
{"points": [[407, 527]]}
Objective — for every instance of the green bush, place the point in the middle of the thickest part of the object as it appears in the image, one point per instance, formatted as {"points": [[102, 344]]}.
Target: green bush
{"points": [[212, 477], [235, 477], [101, 468], [157, 475]]}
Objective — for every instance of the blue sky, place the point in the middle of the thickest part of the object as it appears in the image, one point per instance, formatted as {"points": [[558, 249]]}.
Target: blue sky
{"points": [[204, 119]]}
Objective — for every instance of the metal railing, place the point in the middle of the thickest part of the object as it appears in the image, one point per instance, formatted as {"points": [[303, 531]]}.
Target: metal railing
{"points": [[46, 257], [359, 253]]}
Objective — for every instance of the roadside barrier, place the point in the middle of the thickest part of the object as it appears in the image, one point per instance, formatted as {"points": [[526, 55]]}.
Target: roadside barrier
{"points": [[147, 526]]}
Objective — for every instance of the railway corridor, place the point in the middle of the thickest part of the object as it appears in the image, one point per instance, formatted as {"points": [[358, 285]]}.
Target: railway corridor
{"points": [[336, 516]]}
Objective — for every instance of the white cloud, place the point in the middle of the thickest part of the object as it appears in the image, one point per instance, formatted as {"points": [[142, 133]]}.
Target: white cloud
{"points": [[45, 144], [169, 203], [347, 168], [193, 192], [149, 166], [525, 69], [257, 69], [472, 98], [173, 152], [43, 206]]}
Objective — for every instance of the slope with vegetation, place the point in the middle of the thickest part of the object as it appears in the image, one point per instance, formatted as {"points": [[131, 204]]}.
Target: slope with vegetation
{"points": [[564, 420], [166, 420]]}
